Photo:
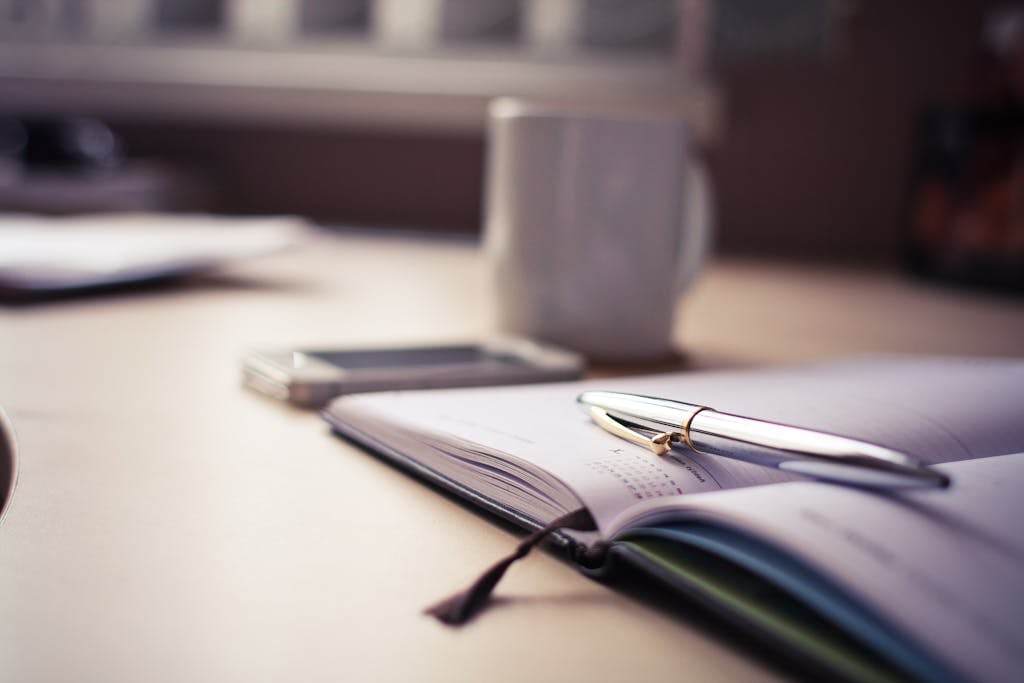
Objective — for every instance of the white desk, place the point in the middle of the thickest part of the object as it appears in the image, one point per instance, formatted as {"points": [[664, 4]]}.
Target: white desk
{"points": [[169, 526]]}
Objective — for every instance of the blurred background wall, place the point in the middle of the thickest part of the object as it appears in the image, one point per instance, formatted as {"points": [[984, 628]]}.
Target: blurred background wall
{"points": [[806, 109], [816, 154]]}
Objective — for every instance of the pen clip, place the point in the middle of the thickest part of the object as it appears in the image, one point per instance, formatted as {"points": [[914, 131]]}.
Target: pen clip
{"points": [[660, 443]]}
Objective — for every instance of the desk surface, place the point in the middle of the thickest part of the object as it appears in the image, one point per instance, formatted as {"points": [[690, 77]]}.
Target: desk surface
{"points": [[168, 525]]}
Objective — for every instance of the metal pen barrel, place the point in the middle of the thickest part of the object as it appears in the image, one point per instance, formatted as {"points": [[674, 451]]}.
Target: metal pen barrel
{"points": [[791, 449]]}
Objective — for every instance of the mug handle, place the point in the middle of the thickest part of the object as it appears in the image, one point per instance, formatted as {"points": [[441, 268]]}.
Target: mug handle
{"points": [[697, 224]]}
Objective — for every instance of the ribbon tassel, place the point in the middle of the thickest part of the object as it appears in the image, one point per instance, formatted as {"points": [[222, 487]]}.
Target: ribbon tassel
{"points": [[460, 608]]}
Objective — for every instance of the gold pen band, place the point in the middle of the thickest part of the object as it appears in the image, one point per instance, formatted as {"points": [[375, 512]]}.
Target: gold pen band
{"points": [[686, 427]]}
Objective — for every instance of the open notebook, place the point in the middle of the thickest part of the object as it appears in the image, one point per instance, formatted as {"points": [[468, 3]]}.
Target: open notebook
{"points": [[870, 585]]}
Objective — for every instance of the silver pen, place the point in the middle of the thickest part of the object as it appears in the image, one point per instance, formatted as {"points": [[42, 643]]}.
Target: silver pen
{"points": [[791, 449]]}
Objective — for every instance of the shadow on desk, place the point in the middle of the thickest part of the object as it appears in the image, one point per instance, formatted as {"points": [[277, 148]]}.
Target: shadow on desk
{"points": [[8, 463], [196, 282], [681, 361]]}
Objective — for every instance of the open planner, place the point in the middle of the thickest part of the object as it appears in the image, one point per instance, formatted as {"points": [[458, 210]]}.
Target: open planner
{"points": [[867, 584]]}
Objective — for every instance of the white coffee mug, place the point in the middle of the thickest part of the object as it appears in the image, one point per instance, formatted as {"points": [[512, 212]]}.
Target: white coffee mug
{"points": [[596, 221]]}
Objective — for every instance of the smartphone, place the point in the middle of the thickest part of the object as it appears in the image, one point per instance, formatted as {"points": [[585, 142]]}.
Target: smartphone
{"points": [[310, 378]]}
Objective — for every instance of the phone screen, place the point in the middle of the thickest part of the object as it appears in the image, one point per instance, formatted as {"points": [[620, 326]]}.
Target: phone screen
{"points": [[400, 358]]}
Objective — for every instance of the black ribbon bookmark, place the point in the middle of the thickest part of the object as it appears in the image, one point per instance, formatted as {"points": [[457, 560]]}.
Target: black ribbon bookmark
{"points": [[463, 606]]}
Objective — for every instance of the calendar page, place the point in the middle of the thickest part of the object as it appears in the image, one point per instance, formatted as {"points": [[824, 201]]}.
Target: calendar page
{"points": [[533, 441]]}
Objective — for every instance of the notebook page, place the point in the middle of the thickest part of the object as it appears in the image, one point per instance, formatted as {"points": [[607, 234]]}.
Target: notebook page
{"points": [[945, 566], [938, 410]]}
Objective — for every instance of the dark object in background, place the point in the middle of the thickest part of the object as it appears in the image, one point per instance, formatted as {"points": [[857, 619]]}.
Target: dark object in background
{"points": [[76, 143], [966, 220], [77, 165], [967, 213]]}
